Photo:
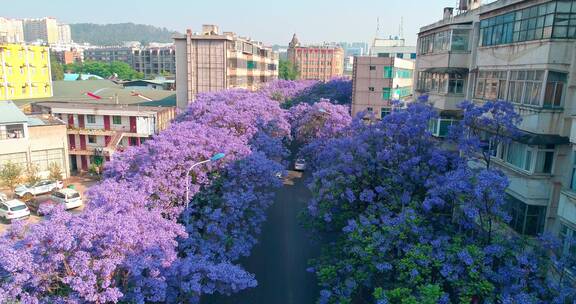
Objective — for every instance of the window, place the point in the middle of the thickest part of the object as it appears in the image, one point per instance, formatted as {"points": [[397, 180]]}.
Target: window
{"points": [[369, 109], [573, 181], [567, 250], [91, 139], [117, 120], [455, 83], [91, 119], [251, 65], [371, 89], [386, 93], [44, 158], [525, 219], [433, 82], [388, 71], [491, 85], [403, 92], [11, 131], [460, 40], [548, 20], [385, 55], [441, 127], [441, 41], [384, 112], [525, 87], [399, 55], [554, 88], [533, 159], [403, 73], [372, 68], [412, 55]]}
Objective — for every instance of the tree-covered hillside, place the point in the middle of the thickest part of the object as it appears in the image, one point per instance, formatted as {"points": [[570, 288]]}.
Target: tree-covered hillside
{"points": [[116, 34]]}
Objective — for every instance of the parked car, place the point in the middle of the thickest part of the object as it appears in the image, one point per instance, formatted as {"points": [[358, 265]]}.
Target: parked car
{"points": [[300, 164], [13, 210], [3, 197], [41, 208], [69, 197], [44, 186]]}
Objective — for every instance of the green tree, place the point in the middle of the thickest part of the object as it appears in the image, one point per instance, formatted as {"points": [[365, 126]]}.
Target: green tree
{"points": [[56, 69], [31, 174], [123, 70], [10, 175], [99, 68], [55, 171], [287, 70]]}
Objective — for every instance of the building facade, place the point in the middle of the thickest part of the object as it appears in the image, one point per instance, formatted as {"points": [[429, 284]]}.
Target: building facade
{"points": [[111, 54], [316, 62], [64, 34], [392, 47], [41, 29], [155, 60], [11, 30], [376, 81], [210, 61], [96, 131], [24, 72], [524, 52], [37, 140]]}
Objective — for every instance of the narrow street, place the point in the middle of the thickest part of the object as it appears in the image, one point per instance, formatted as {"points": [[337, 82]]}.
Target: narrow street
{"points": [[281, 257]]}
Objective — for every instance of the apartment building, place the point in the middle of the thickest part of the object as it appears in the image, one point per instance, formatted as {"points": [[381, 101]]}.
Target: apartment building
{"points": [[522, 51], [377, 81], [64, 34], [110, 54], [392, 47], [211, 61], [24, 72], [41, 29], [96, 131], [38, 140], [316, 62], [153, 61], [11, 30]]}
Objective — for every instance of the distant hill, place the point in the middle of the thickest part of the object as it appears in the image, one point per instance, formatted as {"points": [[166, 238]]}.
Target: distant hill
{"points": [[116, 34]]}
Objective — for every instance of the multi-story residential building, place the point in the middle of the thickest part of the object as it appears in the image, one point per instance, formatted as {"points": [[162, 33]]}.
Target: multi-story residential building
{"points": [[24, 72], [97, 131], [41, 29], [392, 47], [155, 60], [376, 81], [11, 30], [316, 62], [110, 54], [210, 61], [522, 51], [38, 140], [68, 56], [64, 34]]}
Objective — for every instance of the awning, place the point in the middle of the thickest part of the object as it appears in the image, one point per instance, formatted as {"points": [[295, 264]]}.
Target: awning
{"points": [[461, 71], [534, 139]]}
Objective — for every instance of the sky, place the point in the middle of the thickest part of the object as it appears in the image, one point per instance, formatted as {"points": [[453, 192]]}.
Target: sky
{"points": [[273, 22]]}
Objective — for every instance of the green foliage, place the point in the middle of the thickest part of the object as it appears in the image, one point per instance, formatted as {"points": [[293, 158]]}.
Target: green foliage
{"points": [[10, 174], [31, 175], [105, 70], [117, 34], [287, 70], [55, 171], [56, 69]]}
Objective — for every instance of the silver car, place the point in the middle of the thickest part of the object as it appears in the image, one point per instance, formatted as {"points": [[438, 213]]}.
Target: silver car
{"points": [[300, 164]]}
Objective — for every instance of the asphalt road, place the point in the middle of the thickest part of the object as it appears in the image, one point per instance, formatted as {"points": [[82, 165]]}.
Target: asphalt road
{"points": [[280, 259]]}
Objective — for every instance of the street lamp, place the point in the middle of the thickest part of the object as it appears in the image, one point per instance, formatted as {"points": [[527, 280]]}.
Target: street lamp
{"points": [[214, 158]]}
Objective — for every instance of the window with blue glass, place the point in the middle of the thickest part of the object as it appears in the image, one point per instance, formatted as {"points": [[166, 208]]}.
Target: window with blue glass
{"points": [[412, 55], [388, 72], [550, 20]]}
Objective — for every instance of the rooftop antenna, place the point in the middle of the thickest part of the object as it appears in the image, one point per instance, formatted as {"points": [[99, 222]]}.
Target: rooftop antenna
{"points": [[377, 27], [401, 28]]}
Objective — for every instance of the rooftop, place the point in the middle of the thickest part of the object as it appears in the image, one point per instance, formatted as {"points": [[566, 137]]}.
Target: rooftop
{"points": [[40, 120], [9, 113], [75, 92], [99, 106]]}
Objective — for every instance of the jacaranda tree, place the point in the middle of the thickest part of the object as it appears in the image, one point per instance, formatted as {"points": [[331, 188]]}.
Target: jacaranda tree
{"points": [[409, 222], [138, 240]]}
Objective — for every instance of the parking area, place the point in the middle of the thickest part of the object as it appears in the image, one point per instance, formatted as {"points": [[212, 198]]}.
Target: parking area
{"points": [[80, 183]]}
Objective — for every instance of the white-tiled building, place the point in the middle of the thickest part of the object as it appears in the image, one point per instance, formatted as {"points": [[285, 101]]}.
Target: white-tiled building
{"points": [[522, 51]]}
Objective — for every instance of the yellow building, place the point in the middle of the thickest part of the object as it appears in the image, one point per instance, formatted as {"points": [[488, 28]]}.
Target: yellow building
{"points": [[24, 72]]}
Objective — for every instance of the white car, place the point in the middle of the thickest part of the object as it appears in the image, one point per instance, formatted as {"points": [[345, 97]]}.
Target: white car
{"points": [[13, 210], [300, 164], [41, 187], [69, 197]]}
